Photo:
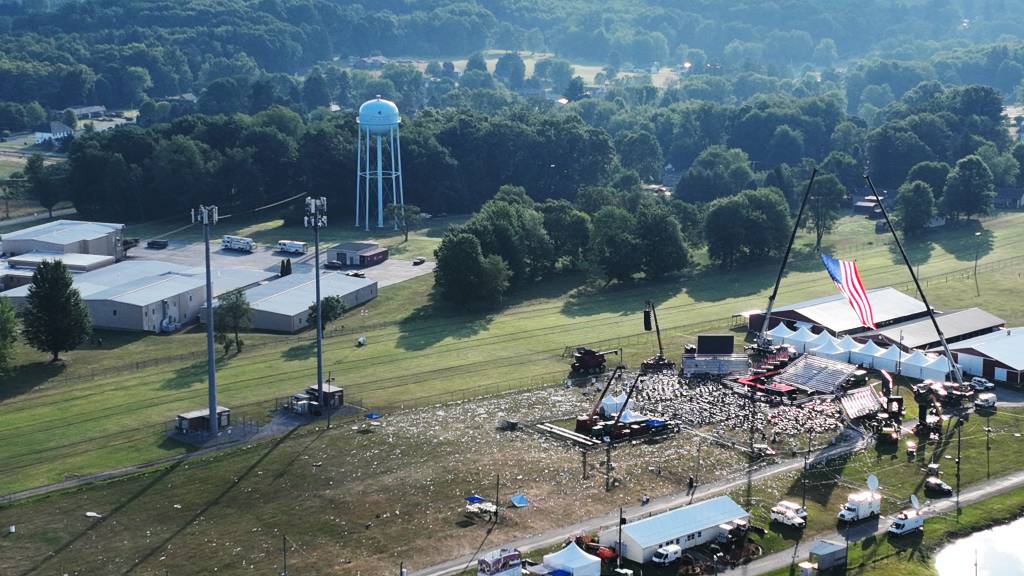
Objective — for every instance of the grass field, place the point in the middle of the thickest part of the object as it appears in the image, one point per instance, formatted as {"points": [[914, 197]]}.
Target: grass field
{"points": [[57, 423]]}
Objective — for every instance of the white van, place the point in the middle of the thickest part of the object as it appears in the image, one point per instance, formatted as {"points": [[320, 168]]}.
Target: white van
{"points": [[667, 554]]}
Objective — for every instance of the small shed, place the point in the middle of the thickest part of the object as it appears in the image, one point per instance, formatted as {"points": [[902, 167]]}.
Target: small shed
{"points": [[199, 420], [828, 554], [334, 396], [360, 254]]}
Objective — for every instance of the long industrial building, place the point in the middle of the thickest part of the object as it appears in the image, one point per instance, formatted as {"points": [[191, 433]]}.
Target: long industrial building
{"points": [[997, 356], [833, 313], [148, 295], [68, 236], [283, 305]]}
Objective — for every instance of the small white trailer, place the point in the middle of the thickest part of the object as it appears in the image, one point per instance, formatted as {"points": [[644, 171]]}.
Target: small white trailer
{"points": [[239, 243], [292, 246]]}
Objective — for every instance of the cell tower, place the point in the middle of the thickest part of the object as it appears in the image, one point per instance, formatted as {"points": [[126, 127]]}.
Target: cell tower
{"points": [[378, 126]]}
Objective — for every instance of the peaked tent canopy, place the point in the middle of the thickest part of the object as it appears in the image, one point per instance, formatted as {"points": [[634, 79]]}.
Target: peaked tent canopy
{"points": [[865, 355], [830, 350], [613, 404], [887, 358], [822, 338], [849, 344], [574, 561], [800, 338], [781, 332]]}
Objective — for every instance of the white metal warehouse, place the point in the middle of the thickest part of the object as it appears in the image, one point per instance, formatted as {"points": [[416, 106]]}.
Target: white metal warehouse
{"points": [[283, 305], [688, 526], [68, 236], [148, 295]]}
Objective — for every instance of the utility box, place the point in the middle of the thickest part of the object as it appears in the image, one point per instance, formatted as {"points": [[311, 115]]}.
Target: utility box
{"points": [[828, 555], [199, 420]]}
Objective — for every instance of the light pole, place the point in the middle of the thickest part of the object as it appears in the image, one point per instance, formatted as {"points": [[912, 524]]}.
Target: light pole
{"points": [[207, 216], [316, 217], [977, 251], [807, 455]]}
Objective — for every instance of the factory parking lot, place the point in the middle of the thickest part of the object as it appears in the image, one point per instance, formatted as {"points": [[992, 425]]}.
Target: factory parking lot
{"points": [[266, 258]]}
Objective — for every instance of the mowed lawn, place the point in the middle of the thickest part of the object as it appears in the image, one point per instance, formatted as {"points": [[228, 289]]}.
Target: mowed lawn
{"points": [[419, 352]]}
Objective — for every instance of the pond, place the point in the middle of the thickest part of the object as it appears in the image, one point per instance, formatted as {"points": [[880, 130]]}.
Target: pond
{"points": [[999, 553]]}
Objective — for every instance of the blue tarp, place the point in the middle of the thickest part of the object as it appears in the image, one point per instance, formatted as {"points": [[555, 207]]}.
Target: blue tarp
{"points": [[655, 423], [519, 501], [373, 416], [559, 573], [474, 499]]}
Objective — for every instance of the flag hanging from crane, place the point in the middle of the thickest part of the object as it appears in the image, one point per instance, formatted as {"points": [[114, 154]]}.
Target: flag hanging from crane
{"points": [[846, 277]]}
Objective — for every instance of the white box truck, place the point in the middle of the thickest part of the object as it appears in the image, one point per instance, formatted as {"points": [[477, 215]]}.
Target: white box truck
{"points": [[862, 505], [985, 400], [239, 243], [292, 246]]}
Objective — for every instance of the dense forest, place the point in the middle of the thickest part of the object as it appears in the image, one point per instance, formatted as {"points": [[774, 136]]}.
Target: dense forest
{"points": [[120, 52], [914, 92]]}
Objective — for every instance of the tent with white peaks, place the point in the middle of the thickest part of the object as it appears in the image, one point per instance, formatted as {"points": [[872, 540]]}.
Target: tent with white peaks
{"points": [[573, 561]]}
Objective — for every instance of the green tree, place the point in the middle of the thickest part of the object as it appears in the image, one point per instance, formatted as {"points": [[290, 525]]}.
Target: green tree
{"points": [[575, 90], [8, 332], [718, 171], [314, 91], [639, 150], [823, 206], [662, 249], [331, 308], [933, 174], [69, 119], [915, 207], [614, 247], [568, 228], [511, 70], [748, 226], [691, 221], [463, 275], [477, 63], [233, 314], [406, 217], [786, 146], [969, 189], [1003, 165], [45, 183], [593, 198], [55, 319]]}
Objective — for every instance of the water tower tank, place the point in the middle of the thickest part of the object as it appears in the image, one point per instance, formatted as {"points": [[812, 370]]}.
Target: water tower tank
{"points": [[378, 116]]}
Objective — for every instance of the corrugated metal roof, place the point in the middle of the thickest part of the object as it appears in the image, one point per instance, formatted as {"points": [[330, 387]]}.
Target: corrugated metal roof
{"points": [[64, 231], [1006, 346], [143, 282], [70, 259], [835, 313], [682, 521], [921, 332], [295, 293]]}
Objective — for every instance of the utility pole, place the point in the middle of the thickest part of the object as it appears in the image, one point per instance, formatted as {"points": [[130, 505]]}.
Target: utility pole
{"points": [[959, 425], [284, 551], [316, 217], [977, 250], [807, 455], [608, 467], [497, 497], [618, 545], [988, 446], [207, 216]]}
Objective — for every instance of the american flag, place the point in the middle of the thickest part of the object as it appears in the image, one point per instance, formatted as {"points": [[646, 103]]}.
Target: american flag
{"points": [[844, 274]]}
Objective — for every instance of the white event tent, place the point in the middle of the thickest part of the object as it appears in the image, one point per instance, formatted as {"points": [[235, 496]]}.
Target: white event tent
{"points": [[574, 561]]}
